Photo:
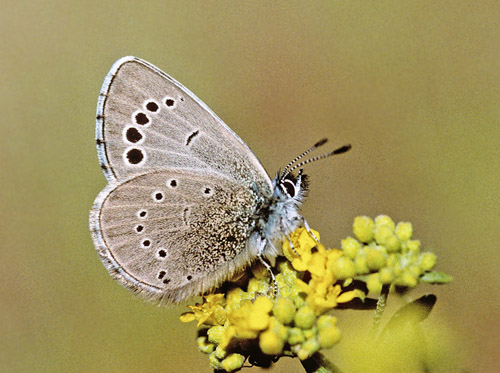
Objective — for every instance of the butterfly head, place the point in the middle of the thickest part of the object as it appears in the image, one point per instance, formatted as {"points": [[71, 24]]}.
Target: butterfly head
{"points": [[291, 187]]}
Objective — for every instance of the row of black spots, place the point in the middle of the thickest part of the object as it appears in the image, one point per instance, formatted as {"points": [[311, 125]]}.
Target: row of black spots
{"points": [[162, 274], [159, 196], [170, 101], [143, 118], [134, 156]]}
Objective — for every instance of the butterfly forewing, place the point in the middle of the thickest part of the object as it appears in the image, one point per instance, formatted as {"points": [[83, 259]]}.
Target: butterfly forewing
{"points": [[172, 234], [148, 121]]}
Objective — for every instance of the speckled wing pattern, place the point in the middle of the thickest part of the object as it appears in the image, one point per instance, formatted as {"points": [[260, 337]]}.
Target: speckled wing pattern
{"points": [[175, 219], [173, 233]]}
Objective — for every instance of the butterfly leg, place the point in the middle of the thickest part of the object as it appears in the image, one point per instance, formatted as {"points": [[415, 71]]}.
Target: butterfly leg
{"points": [[291, 245], [308, 229], [269, 269]]}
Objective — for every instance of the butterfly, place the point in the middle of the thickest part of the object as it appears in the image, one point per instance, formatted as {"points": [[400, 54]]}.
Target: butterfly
{"points": [[187, 203]]}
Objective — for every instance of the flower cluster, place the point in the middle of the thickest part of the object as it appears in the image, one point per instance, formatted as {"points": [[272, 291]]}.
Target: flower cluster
{"points": [[245, 321], [383, 253]]}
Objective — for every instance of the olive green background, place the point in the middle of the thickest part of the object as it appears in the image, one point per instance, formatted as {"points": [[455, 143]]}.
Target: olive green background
{"points": [[414, 86]]}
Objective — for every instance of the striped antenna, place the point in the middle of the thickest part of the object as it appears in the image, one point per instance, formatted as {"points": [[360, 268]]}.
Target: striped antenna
{"points": [[315, 146], [340, 150]]}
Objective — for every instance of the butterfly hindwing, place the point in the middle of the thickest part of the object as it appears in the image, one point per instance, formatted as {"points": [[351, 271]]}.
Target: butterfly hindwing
{"points": [[171, 234]]}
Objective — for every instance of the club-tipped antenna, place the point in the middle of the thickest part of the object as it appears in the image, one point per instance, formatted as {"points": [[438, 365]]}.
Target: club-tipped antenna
{"points": [[340, 150], [315, 146]]}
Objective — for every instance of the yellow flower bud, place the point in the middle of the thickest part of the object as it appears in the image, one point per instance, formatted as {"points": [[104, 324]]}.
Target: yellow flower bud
{"points": [[428, 261], [326, 322], [343, 268], [413, 246], [263, 304], [214, 362], [278, 328], [310, 333], [220, 353], [304, 318], [394, 262], [407, 279], [350, 246], [271, 343], [375, 258], [386, 276], [216, 333], [415, 270], [384, 220], [361, 265], [204, 346], [392, 244], [383, 234], [295, 336], [309, 347], [328, 337], [234, 298], [373, 283], [299, 301], [363, 227], [404, 231], [257, 286], [232, 362], [284, 310]]}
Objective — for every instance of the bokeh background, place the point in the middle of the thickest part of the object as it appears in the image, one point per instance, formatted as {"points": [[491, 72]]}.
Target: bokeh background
{"points": [[414, 86]]}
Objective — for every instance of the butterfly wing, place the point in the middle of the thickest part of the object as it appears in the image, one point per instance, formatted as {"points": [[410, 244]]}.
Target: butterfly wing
{"points": [[172, 234], [148, 121]]}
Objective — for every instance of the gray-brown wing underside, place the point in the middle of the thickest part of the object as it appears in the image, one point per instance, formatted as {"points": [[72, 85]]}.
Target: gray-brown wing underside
{"points": [[172, 234], [147, 121]]}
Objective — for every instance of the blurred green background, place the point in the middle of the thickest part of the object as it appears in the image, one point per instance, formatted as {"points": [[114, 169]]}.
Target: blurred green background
{"points": [[413, 86]]}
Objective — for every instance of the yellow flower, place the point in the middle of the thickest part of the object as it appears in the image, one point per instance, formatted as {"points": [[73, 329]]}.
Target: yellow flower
{"points": [[251, 318], [311, 281], [211, 312], [303, 243]]}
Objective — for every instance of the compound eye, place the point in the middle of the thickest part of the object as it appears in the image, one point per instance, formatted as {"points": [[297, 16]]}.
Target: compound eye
{"points": [[288, 187]]}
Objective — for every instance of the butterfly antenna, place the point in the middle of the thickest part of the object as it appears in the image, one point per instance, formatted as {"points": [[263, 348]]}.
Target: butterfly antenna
{"points": [[315, 146], [340, 150]]}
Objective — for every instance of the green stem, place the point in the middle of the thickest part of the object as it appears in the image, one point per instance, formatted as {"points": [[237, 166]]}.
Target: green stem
{"points": [[382, 301], [318, 363]]}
